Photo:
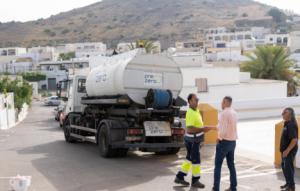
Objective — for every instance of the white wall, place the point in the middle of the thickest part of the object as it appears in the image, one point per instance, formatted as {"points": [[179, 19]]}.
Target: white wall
{"points": [[245, 76], [7, 111], [191, 59], [240, 92], [215, 75]]}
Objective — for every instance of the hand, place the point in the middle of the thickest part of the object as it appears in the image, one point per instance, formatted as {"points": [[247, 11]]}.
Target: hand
{"points": [[211, 128], [285, 153], [206, 129]]}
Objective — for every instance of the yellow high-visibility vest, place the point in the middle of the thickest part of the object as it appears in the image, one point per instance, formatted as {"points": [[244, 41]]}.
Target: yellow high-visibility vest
{"points": [[193, 118]]}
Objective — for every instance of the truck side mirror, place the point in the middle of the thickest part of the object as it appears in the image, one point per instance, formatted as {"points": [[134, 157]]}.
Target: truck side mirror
{"points": [[64, 99]]}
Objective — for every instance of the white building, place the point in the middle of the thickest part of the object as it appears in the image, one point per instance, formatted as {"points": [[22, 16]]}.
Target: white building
{"points": [[83, 50], [259, 33], [229, 44], [14, 65], [56, 71], [12, 51], [253, 98], [190, 46], [277, 39], [43, 53], [225, 34], [294, 42], [296, 19]]}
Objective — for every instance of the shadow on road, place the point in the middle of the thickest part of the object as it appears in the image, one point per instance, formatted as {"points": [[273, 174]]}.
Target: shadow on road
{"points": [[79, 167]]}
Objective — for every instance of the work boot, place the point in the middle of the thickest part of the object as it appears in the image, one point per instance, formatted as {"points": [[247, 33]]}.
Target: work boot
{"points": [[181, 181], [290, 189], [198, 184], [284, 187], [229, 189]]}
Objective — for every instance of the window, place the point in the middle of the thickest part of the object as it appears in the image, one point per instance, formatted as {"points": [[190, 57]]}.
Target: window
{"points": [[217, 38], [4, 53], [54, 98], [201, 84], [11, 52], [81, 86], [285, 40], [221, 45], [279, 40], [240, 37], [247, 36]]}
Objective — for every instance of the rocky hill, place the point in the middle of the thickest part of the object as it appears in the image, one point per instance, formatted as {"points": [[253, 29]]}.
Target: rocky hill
{"points": [[113, 21]]}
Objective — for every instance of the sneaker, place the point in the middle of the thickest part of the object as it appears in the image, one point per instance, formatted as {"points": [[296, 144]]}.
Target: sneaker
{"points": [[181, 181], [198, 185]]}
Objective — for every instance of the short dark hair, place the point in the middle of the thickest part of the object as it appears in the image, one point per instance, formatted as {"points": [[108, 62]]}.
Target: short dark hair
{"points": [[190, 97], [228, 98]]}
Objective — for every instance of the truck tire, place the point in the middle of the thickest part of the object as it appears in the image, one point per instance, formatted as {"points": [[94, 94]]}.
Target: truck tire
{"points": [[169, 151], [103, 143], [67, 132], [122, 152]]}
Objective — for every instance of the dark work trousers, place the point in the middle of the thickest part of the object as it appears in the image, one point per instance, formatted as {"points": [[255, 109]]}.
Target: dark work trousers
{"points": [[287, 166], [192, 157], [225, 149]]}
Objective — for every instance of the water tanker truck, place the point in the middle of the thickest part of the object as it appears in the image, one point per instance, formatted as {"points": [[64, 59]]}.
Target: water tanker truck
{"points": [[127, 101]]}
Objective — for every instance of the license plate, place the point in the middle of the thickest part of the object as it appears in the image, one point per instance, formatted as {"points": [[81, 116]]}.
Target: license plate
{"points": [[157, 128]]}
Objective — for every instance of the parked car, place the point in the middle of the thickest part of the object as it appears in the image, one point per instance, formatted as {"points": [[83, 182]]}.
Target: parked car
{"points": [[52, 101], [58, 110], [59, 113]]}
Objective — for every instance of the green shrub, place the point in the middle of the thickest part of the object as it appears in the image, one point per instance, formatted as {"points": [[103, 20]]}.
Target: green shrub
{"points": [[22, 91], [33, 76], [67, 56], [65, 31]]}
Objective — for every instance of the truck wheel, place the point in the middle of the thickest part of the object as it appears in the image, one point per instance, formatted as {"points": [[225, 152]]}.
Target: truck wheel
{"points": [[122, 152], [67, 133], [103, 144], [169, 151]]}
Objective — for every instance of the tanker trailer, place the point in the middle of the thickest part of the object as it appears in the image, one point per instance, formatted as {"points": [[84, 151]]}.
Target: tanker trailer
{"points": [[128, 101]]}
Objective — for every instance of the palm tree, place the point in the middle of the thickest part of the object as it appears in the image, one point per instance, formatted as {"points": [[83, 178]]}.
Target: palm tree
{"points": [[272, 62], [146, 44]]}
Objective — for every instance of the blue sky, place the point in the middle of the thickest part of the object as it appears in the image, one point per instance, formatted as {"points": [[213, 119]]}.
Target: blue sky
{"points": [[25, 10]]}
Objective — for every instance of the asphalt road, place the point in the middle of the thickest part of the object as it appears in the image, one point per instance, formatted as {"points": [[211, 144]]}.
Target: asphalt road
{"points": [[36, 148]]}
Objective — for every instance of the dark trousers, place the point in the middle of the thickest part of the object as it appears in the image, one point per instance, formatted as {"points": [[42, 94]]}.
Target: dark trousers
{"points": [[225, 149], [193, 156], [287, 166]]}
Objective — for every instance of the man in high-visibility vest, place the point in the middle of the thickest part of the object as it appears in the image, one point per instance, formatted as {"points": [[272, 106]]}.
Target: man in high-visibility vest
{"points": [[194, 134]]}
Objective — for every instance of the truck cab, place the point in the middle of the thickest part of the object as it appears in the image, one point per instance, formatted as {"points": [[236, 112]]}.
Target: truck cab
{"points": [[75, 91]]}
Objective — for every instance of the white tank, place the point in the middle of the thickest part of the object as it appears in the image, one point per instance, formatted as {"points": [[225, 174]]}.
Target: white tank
{"points": [[133, 74]]}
